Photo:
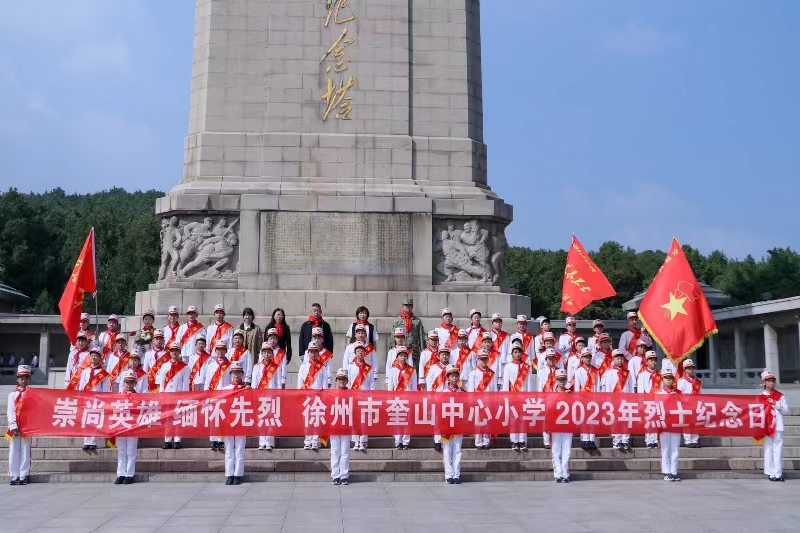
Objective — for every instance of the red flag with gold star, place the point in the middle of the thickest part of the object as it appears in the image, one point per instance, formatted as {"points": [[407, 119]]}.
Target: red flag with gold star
{"points": [[675, 310], [584, 282], [82, 280]]}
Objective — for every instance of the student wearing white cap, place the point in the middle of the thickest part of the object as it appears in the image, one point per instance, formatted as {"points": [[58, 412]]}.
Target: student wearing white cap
{"points": [[220, 329], [281, 355], [235, 446], [83, 328], [501, 341], [189, 332], [670, 442], [128, 447], [637, 362], [173, 325], [562, 442], [599, 328], [586, 378], [398, 339], [447, 331], [574, 359], [428, 357], [267, 374], [359, 377], [197, 362], [436, 381], [538, 340], [649, 381], [549, 343], [566, 341], [117, 361], [517, 377], [487, 345], [629, 339], [451, 444], [618, 379], [402, 378], [475, 330], [173, 377], [482, 379], [154, 359], [239, 352], [216, 376], [340, 444], [77, 361], [528, 348], [462, 356], [688, 383], [107, 340], [603, 355], [773, 445], [313, 375], [325, 356], [19, 446], [368, 348], [94, 379], [546, 381]]}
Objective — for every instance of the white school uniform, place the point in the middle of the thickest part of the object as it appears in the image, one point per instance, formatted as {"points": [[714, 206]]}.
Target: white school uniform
{"points": [[74, 361], [179, 383], [188, 347], [773, 446], [579, 382], [103, 386], [320, 382], [609, 383], [473, 382], [504, 348], [150, 358], [208, 373], [128, 447], [199, 377], [644, 385], [276, 382], [371, 359], [111, 362], [434, 372], [171, 335], [670, 447], [626, 338], [211, 331], [353, 371], [390, 358], [510, 373], [685, 386], [635, 366], [247, 362], [19, 449], [394, 375], [561, 451], [424, 358], [234, 449], [451, 448]]}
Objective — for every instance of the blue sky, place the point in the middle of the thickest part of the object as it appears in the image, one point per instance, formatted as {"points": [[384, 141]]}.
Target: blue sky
{"points": [[617, 120]]}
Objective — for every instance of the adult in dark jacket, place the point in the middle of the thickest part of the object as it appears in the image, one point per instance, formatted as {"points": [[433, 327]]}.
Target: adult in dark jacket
{"points": [[315, 320], [362, 317], [278, 322], [253, 336]]}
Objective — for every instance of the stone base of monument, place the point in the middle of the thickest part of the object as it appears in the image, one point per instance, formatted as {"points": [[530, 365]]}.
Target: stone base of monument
{"points": [[63, 460]]}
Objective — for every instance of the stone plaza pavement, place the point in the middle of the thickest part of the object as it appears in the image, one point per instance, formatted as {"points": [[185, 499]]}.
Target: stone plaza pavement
{"points": [[725, 506]]}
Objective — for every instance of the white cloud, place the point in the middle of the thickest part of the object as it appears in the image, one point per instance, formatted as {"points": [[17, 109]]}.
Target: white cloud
{"points": [[637, 40]]}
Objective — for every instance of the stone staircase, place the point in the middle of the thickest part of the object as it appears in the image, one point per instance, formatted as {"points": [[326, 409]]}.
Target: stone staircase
{"points": [[63, 460]]}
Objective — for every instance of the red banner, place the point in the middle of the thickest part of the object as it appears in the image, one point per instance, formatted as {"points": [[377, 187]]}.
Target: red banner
{"points": [[62, 413]]}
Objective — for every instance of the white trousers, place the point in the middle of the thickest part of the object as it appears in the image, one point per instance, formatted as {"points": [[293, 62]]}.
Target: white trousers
{"points": [[670, 448], [19, 457], [452, 457], [90, 441], [126, 455], [172, 439], [562, 447], [773, 454], [266, 441], [216, 439], [518, 437], [546, 438], [362, 439], [651, 438], [688, 438], [620, 439], [587, 437], [482, 440], [234, 456], [340, 456], [310, 440], [402, 439], [437, 439]]}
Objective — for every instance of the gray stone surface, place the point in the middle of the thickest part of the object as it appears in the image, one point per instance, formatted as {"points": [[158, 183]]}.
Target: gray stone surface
{"points": [[717, 506]]}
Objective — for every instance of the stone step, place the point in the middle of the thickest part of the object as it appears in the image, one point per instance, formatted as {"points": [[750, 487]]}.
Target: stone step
{"points": [[367, 477], [534, 441], [386, 454], [410, 466]]}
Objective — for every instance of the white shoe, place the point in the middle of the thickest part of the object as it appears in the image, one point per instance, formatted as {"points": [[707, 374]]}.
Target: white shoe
{"points": [[268, 447], [306, 446], [315, 447]]}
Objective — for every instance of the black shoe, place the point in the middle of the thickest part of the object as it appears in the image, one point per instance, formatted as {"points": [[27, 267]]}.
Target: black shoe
{"points": [[565, 480], [558, 480], [229, 480], [584, 445], [86, 447], [92, 447], [437, 446], [406, 446], [456, 481], [345, 481], [336, 482], [119, 480], [14, 481], [128, 481], [779, 478], [221, 445], [213, 445], [27, 479], [237, 480], [398, 446], [771, 478], [176, 445], [523, 446], [546, 446], [166, 446], [449, 481], [594, 446]]}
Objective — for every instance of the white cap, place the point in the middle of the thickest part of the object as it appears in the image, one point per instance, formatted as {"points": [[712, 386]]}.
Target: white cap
{"points": [[341, 373], [586, 351], [497, 316], [641, 342], [113, 317], [173, 310], [605, 337], [667, 372], [548, 335], [580, 339], [516, 337], [446, 311], [175, 345], [486, 335], [191, 309], [433, 334], [239, 332], [766, 374], [463, 333], [616, 351], [81, 335], [23, 370], [450, 369], [129, 375], [359, 327], [219, 307], [237, 366], [687, 363], [651, 354], [122, 338], [542, 319], [550, 352], [95, 350], [150, 313], [522, 318], [630, 315], [359, 344], [561, 373], [474, 311], [570, 320], [399, 332], [443, 349], [200, 337], [313, 345], [266, 346], [597, 322], [84, 316], [220, 344], [401, 349], [316, 331], [272, 331], [158, 334], [516, 346], [483, 354]]}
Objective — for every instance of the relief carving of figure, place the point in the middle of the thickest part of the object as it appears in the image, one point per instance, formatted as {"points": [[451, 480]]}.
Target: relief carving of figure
{"points": [[471, 254], [170, 242], [187, 247], [457, 260]]}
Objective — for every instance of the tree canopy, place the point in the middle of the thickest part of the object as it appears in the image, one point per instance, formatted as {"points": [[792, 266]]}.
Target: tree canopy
{"points": [[42, 234]]}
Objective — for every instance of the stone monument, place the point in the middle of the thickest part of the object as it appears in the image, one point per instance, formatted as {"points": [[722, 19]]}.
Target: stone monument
{"points": [[335, 155]]}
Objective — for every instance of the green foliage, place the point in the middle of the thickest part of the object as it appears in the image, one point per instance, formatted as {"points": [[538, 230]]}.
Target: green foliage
{"points": [[41, 236], [539, 274]]}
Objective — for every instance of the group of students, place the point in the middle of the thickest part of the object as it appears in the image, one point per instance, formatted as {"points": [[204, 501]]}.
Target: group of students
{"points": [[454, 360]]}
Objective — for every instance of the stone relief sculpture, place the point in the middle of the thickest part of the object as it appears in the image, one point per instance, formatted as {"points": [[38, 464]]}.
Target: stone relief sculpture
{"points": [[470, 254], [198, 249]]}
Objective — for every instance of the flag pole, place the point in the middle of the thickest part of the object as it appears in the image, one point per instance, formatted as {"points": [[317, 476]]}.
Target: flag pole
{"points": [[94, 264]]}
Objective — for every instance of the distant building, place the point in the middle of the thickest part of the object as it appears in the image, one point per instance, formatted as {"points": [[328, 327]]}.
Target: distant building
{"points": [[12, 300]]}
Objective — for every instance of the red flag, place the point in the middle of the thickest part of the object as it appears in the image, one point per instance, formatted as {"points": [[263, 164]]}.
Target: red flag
{"points": [[675, 310], [583, 281], [82, 280]]}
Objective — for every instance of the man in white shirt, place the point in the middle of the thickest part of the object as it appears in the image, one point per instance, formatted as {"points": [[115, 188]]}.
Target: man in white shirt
{"points": [[628, 340], [189, 332], [448, 333]]}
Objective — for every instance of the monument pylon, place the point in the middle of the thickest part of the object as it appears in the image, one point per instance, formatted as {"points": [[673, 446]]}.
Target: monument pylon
{"points": [[335, 155]]}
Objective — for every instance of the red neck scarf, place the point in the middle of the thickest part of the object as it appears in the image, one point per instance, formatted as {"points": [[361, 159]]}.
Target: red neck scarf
{"points": [[362, 322], [279, 329], [315, 321], [407, 318]]}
